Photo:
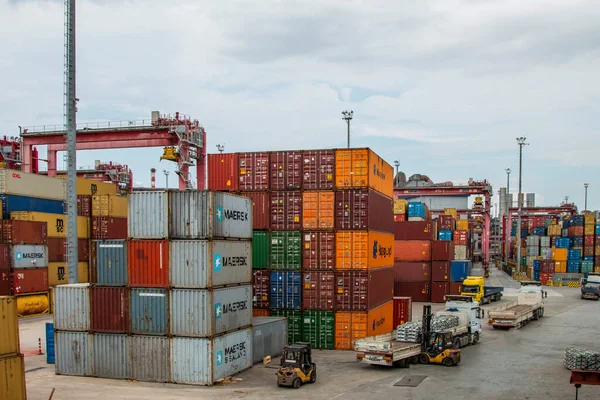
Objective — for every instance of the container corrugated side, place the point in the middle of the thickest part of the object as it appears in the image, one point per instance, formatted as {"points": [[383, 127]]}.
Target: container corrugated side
{"points": [[110, 309], [73, 353], [111, 262], [57, 223], [150, 358], [148, 311], [148, 215], [110, 356], [72, 307], [202, 264], [12, 203], [29, 256], [31, 280], [31, 185], [58, 273], [260, 249], [12, 378], [269, 336], [205, 313], [318, 328], [223, 172], [109, 206], [14, 231], [148, 263], [9, 334]]}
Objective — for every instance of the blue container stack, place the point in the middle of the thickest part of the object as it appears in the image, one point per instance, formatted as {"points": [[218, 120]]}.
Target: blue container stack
{"points": [[459, 270], [562, 243], [445, 235], [416, 210], [286, 290], [537, 266], [574, 255]]}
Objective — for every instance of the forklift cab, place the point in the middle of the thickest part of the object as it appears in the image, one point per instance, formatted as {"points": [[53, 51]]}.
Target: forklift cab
{"points": [[297, 355], [440, 342]]}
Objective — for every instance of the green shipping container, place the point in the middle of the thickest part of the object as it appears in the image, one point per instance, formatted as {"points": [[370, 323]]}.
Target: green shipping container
{"points": [[286, 250], [318, 328], [294, 323], [260, 250]]}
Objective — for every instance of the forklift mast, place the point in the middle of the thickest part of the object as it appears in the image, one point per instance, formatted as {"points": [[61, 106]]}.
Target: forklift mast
{"points": [[426, 328]]}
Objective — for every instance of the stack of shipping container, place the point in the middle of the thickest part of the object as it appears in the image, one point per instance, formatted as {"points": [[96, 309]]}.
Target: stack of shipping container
{"points": [[12, 365]]}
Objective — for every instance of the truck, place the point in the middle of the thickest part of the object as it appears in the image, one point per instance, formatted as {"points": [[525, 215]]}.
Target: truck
{"points": [[474, 286], [529, 306], [590, 286], [469, 315]]}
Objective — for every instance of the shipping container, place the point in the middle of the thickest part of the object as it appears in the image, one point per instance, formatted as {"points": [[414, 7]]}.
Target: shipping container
{"points": [[29, 256], [206, 313], [58, 273], [318, 329], [73, 353], [5, 281], [318, 292], [415, 230], [88, 187], [109, 228], [203, 361], [260, 312], [318, 169], [364, 250], [412, 250], [460, 252], [12, 382], [459, 270], [286, 211], [109, 206], [286, 170], [111, 356], [200, 214], [23, 232], [363, 290], [286, 290], [148, 215], [400, 218], [202, 264], [148, 263], [253, 171], [318, 250], [31, 280], [440, 271], [455, 288], [72, 307], [402, 311], [439, 290], [363, 209], [462, 225], [13, 182], [286, 250], [11, 203], [33, 304], [260, 250], [150, 358], [442, 250], [57, 223], [559, 254], [560, 267], [261, 209], [294, 318], [400, 206], [362, 168], [350, 326], [57, 249], [148, 311], [223, 172], [269, 336], [84, 206], [460, 238], [412, 271], [446, 222], [109, 309], [318, 210], [418, 291], [261, 287], [418, 210], [111, 262], [9, 334]]}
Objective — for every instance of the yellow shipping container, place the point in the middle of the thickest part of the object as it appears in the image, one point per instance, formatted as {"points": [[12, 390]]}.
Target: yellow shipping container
{"points": [[364, 250], [89, 187], [109, 206], [9, 327], [12, 378], [589, 230], [33, 304], [360, 168], [451, 211], [57, 223], [560, 267], [554, 230], [559, 254], [400, 206], [589, 219], [462, 225], [58, 273], [597, 250]]}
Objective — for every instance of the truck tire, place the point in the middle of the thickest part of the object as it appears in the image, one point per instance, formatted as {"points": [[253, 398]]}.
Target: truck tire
{"points": [[456, 343], [414, 360], [476, 338]]}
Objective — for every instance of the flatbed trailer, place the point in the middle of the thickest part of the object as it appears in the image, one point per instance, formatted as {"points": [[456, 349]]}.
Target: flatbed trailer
{"points": [[386, 351], [529, 306]]}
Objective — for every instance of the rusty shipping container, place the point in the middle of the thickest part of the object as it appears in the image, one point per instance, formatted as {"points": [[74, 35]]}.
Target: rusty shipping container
{"points": [[412, 250], [318, 250], [440, 271], [439, 290], [363, 290], [261, 209], [286, 170], [5, 281], [362, 168], [415, 230], [446, 222], [399, 217], [412, 271], [358, 209], [253, 171], [363, 250], [12, 378], [455, 288], [109, 309], [318, 210], [84, 205], [318, 169], [442, 250], [318, 291], [109, 206], [460, 238], [350, 326], [9, 334], [148, 263], [286, 211], [14, 231], [109, 228], [57, 249], [261, 288], [419, 291], [223, 172], [402, 311], [29, 280], [262, 312]]}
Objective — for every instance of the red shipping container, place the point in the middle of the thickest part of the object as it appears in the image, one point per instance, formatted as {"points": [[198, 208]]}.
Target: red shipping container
{"points": [[439, 290], [318, 169], [399, 217], [29, 280], [440, 271], [84, 205], [546, 267], [442, 250], [261, 209], [286, 211], [588, 240], [253, 171], [598, 239], [5, 285], [258, 312], [545, 277], [588, 251], [455, 288], [576, 231], [418, 291], [318, 292], [109, 228], [318, 250], [402, 311], [16, 231], [363, 209], [460, 238], [363, 290], [412, 250], [412, 272], [260, 288], [148, 263], [446, 222], [286, 170], [415, 230], [109, 309], [223, 172], [57, 250]]}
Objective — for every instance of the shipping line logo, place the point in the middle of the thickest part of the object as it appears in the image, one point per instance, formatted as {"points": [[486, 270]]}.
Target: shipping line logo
{"points": [[22, 256], [378, 322], [377, 172], [230, 215], [231, 354], [219, 357], [236, 306], [381, 251], [218, 310], [217, 262]]}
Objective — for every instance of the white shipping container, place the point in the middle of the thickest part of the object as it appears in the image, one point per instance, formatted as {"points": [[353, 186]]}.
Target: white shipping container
{"points": [[547, 253], [206, 313], [29, 256], [31, 185], [269, 336], [533, 251], [72, 307], [460, 252], [203, 361], [201, 214], [415, 219], [110, 356], [545, 241], [73, 353], [148, 215], [203, 264], [150, 358]]}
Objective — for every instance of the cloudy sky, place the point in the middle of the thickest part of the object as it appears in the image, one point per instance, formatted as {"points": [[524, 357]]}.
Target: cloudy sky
{"points": [[443, 86]]}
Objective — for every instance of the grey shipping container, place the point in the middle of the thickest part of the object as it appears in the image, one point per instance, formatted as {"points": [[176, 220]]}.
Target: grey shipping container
{"points": [[110, 356], [72, 307], [29, 256], [148, 311], [72, 353], [111, 262], [204, 264], [150, 358], [204, 214], [201, 361], [269, 335], [148, 215], [206, 313]]}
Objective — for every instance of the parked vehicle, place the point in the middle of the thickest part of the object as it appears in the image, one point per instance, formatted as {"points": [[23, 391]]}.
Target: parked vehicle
{"points": [[529, 306], [474, 286], [469, 313], [590, 286]]}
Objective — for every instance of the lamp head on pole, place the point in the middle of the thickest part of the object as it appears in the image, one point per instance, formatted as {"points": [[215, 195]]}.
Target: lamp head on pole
{"points": [[397, 163], [521, 141], [347, 115], [508, 171], [586, 185]]}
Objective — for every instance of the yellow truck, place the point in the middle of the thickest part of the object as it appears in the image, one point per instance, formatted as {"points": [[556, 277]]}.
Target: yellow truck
{"points": [[474, 286]]}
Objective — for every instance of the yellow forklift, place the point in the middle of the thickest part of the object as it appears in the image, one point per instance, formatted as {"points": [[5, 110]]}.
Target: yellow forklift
{"points": [[296, 366], [437, 347]]}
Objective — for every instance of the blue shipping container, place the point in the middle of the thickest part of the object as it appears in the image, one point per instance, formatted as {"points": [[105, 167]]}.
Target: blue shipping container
{"points": [[574, 254], [539, 231], [111, 262], [459, 270], [286, 290], [536, 264], [416, 209], [577, 241], [562, 243], [148, 311], [577, 220], [445, 235], [49, 342], [12, 203], [536, 270], [573, 267], [597, 229], [589, 258]]}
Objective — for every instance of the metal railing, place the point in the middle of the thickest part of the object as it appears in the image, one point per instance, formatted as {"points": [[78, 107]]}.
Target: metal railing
{"points": [[89, 125]]}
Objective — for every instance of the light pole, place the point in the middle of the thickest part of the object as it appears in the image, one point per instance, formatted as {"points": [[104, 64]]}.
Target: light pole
{"points": [[221, 148], [347, 115], [166, 177], [521, 142], [508, 205], [585, 185]]}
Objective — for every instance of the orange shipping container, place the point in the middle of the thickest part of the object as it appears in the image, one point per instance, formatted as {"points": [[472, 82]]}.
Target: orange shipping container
{"points": [[412, 250], [364, 250], [560, 267], [318, 210], [360, 168], [559, 254], [258, 312], [148, 263], [351, 326]]}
